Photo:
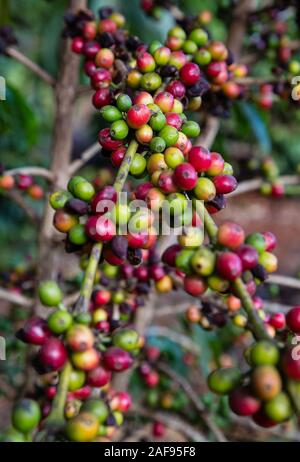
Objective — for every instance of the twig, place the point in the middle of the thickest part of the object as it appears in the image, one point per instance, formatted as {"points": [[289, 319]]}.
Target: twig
{"points": [[185, 342], [171, 421], [209, 133], [87, 155], [255, 184], [248, 81], [15, 298], [34, 171], [184, 384], [19, 199], [284, 281], [35, 68]]}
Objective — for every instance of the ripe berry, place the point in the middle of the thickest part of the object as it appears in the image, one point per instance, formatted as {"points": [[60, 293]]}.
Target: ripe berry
{"points": [[291, 365], [106, 140], [248, 256], [190, 73], [158, 429], [77, 45], [90, 49], [101, 98], [231, 235], [266, 382], [185, 176], [118, 156], [104, 198], [278, 321], [229, 266], [144, 134], [117, 360], [165, 101], [80, 338], [86, 360], [35, 331], [138, 115], [262, 420], [26, 415], [146, 62], [174, 120], [24, 181], [98, 377], [194, 285], [217, 164], [200, 158], [53, 355], [243, 403], [270, 241], [293, 319], [225, 184]]}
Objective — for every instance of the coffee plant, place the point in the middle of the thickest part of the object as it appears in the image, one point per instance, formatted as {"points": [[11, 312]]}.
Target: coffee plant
{"points": [[145, 226]]}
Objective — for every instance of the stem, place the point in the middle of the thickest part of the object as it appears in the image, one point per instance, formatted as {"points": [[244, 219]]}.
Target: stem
{"points": [[56, 417], [82, 304], [35, 68], [257, 325]]}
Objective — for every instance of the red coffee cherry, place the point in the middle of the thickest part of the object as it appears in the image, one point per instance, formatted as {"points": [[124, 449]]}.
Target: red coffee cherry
{"points": [[200, 158], [170, 254], [293, 319], [138, 115], [177, 89], [107, 142], [290, 365], [231, 235], [77, 45], [278, 321], [101, 297], [35, 331], [185, 176], [105, 196], [190, 73], [53, 355], [243, 403], [248, 256], [100, 229], [174, 120], [118, 156], [270, 240], [80, 338], [24, 181], [229, 266], [261, 419], [124, 401], [194, 286], [158, 429], [165, 101], [225, 184], [217, 164], [101, 78]]}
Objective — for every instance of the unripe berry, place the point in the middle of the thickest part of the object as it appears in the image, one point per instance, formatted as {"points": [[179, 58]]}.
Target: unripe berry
{"points": [[165, 101], [205, 189]]}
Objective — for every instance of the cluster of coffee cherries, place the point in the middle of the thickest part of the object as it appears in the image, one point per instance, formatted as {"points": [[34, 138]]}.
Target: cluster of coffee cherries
{"points": [[92, 408], [272, 186], [272, 34], [269, 390], [22, 182], [217, 266]]}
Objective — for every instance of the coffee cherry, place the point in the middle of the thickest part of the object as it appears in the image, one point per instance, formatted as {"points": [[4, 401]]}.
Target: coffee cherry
{"points": [[202, 57], [223, 381], [80, 338], [86, 360], [225, 184], [278, 321], [157, 121], [60, 321], [194, 285], [218, 284], [157, 144], [84, 190], [104, 58], [262, 420], [77, 380], [144, 134], [200, 158], [127, 339], [98, 377], [217, 164], [100, 80], [150, 81], [146, 62], [257, 241], [268, 261], [173, 157], [138, 115], [53, 355], [185, 176], [164, 285], [229, 266], [242, 402], [169, 134], [166, 182], [24, 182], [34, 332], [291, 365], [118, 156], [117, 360], [77, 45], [190, 73], [162, 56], [191, 129], [110, 114], [82, 428], [119, 130], [124, 102], [263, 353], [231, 235], [248, 256], [191, 237], [100, 229], [63, 221], [205, 189], [138, 165], [26, 415], [101, 98], [49, 293], [279, 408], [293, 319], [177, 89], [199, 36], [203, 261], [104, 198], [77, 235], [266, 382], [165, 101], [96, 407]]}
